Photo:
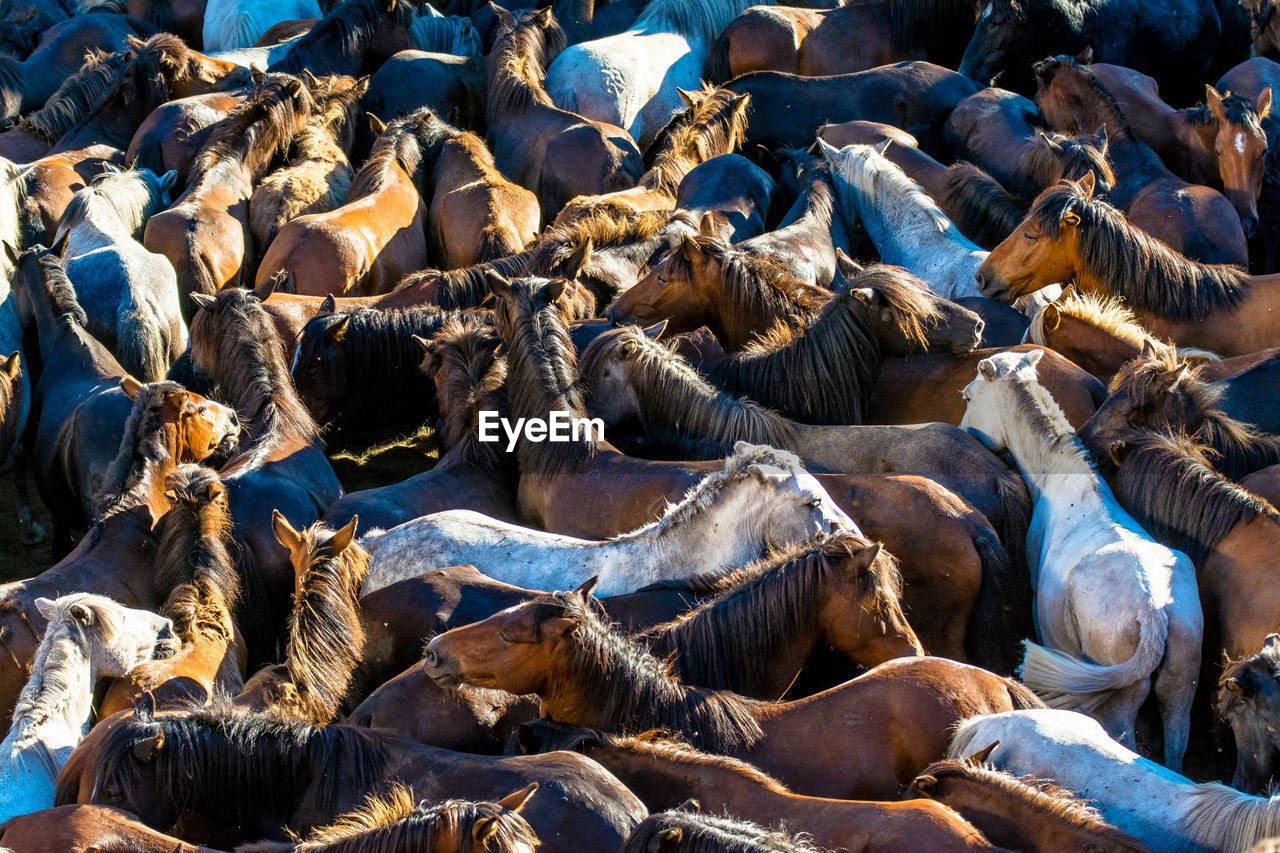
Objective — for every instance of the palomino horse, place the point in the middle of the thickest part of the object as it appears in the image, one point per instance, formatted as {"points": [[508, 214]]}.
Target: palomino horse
{"points": [[560, 648], [248, 777], [557, 154], [1246, 701], [1220, 145], [325, 637], [88, 637], [632, 79], [666, 773], [1194, 220], [1084, 557], [205, 234], [1160, 808], [195, 574], [773, 501], [1071, 236], [130, 295]]}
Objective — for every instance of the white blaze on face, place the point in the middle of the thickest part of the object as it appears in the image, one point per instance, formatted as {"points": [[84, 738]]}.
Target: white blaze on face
{"points": [[1240, 143]]}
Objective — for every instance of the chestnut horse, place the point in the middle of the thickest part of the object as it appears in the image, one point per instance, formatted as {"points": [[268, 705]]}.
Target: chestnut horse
{"points": [[205, 234], [1071, 236], [560, 648], [195, 574], [1195, 220]]}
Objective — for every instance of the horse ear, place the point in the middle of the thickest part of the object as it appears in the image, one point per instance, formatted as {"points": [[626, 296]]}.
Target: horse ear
{"points": [[46, 607], [329, 305], [1235, 686], [203, 300], [981, 756], [707, 225], [515, 801], [345, 534], [556, 289], [577, 262], [1070, 218], [285, 534], [987, 369], [544, 16], [499, 285], [669, 838], [925, 785], [585, 589], [1271, 643], [1148, 349], [13, 364], [168, 181], [848, 266], [655, 331], [690, 805], [376, 124], [1214, 100], [263, 291], [11, 251], [1051, 318], [59, 246], [687, 97], [1088, 184], [293, 87], [145, 750], [1263, 105], [130, 386], [310, 78], [428, 346], [1171, 380], [865, 295], [1032, 358], [1085, 57], [337, 330], [82, 613], [883, 147], [215, 490]]}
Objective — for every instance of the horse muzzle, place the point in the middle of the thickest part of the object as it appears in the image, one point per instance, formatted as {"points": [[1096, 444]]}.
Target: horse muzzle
{"points": [[442, 668], [167, 643]]}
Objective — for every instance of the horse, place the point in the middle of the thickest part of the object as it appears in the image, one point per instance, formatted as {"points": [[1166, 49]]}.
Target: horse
{"points": [[468, 374], [1081, 541], [1220, 144], [81, 829], [195, 576], [453, 86], [773, 500], [251, 776], [325, 636], [1003, 134], [319, 175], [787, 110], [852, 37], [1173, 41], [585, 674], [1162, 809], [1069, 235], [665, 773], [1017, 813], [736, 192], [1245, 702], [205, 234], [679, 831], [279, 462], [353, 38], [234, 24], [88, 637], [1194, 220], [131, 294], [556, 153], [173, 134], [661, 52]]}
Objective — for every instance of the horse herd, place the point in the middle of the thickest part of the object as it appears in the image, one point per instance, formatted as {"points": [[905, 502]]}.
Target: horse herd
{"points": [[921, 485]]}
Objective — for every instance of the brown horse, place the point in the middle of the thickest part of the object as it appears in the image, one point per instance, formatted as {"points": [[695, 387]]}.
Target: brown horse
{"points": [[173, 135], [468, 373], [86, 829], [666, 773], [195, 574], [1246, 701], [1220, 144], [1021, 814], [319, 174], [31, 137], [557, 154], [853, 37], [222, 777], [1071, 236], [713, 122], [325, 636], [280, 462], [558, 647], [353, 38], [1195, 220], [205, 233]]}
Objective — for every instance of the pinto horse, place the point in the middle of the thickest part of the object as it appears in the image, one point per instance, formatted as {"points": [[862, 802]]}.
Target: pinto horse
{"points": [[560, 648], [1195, 220], [1069, 235]]}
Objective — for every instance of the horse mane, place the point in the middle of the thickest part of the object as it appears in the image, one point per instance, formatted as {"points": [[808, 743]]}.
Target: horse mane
{"points": [[406, 142], [60, 291], [987, 211], [720, 643], [1168, 483], [467, 349], [714, 124], [326, 637], [465, 287], [693, 19], [1221, 816], [333, 122], [915, 23], [1106, 313], [1146, 273], [604, 228], [126, 481], [195, 571], [671, 391], [130, 196], [354, 23], [518, 63], [1235, 108], [1053, 157], [632, 691], [1042, 795], [863, 168], [246, 768], [455, 34], [78, 97], [704, 833], [266, 121]]}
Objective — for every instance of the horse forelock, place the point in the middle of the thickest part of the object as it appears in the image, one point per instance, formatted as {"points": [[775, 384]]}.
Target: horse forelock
{"points": [[1053, 157]]}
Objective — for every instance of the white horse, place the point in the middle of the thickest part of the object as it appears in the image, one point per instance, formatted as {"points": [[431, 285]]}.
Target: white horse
{"points": [[631, 79], [761, 499], [1114, 608], [237, 24], [13, 180], [129, 294], [88, 637], [1166, 811]]}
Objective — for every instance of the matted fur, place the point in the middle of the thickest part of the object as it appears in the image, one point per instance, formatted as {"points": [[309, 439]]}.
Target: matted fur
{"points": [[1054, 157], [701, 833], [261, 126], [467, 287], [715, 124]]}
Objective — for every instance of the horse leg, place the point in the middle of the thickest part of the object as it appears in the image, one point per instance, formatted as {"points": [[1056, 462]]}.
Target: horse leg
{"points": [[1176, 681], [1119, 712], [32, 532]]}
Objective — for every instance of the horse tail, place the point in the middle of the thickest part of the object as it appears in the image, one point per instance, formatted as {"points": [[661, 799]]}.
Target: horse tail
{"points": [[994, 631], [1022, 697], [1014, 521], [140, 343], [494, 244], [1068, 682], [194, 276], [716, 69]]}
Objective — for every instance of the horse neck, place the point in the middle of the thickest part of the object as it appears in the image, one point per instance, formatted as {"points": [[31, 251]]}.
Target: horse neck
{"points": [[1042, 442], [57, 700], [993, 805], [663, 782], [723, 528], [1224, 818]]}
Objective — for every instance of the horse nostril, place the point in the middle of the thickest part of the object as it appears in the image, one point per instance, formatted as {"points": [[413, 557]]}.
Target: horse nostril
{"points": [[431, 659], [981, 278]]}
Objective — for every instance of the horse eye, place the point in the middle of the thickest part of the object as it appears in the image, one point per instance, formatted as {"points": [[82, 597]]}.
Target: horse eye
{"points": [[1028, 236], [502, 638], [815, 503], [663, 282]]}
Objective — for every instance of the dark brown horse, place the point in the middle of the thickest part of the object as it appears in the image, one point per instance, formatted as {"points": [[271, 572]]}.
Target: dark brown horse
{"points": [[35, 133], [1246, 700], [558, 647], [353, 38], [173, 135]]}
